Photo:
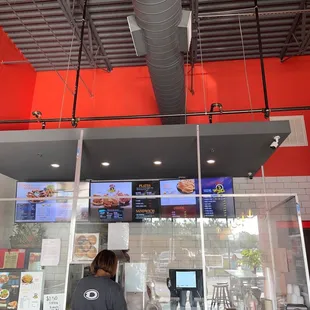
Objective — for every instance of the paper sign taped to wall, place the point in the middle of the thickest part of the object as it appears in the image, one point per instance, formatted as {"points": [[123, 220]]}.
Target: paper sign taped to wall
{"points": [[53, 302], [118, 236], [50, 255]]}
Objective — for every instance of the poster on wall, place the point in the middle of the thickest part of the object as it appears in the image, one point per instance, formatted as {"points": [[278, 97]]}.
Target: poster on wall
{"points": [[32, 209], [112, 202], [145, 207], [181, 206], [34, 261], [9, 289], [86, 247], [12, 258], [30, 292]]}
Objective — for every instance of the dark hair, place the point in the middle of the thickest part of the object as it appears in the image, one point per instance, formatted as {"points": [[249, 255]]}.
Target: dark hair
{"points": [[105, 260]]}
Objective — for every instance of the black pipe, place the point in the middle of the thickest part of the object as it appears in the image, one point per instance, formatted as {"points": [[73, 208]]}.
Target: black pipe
{"points": [[151, 116], [78, 70], [262, 64]]}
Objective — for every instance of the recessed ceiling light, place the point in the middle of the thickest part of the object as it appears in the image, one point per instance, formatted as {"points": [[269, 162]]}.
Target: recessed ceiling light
{"points": [[55, 165], [105, 164], [157, 162], [211, 161]]}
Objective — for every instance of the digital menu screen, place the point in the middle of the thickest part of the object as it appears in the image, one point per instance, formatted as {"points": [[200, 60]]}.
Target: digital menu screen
{"points": [[181, 206], [114, 197], [145, 207], [188, 207], [32, 209], [217, 206]]}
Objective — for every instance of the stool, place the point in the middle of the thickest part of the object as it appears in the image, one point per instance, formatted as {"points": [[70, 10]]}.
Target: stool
{"points": [[221, 294]]}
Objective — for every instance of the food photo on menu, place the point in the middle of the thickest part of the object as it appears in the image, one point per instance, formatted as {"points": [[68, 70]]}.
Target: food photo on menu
{"points": [[86, 247], [180, 206], [9, 289], [111, 201], [39, 205]]}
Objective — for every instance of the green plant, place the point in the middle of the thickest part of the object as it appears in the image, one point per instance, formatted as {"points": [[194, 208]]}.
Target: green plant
{"points": [[251, 258], [27, 235]]}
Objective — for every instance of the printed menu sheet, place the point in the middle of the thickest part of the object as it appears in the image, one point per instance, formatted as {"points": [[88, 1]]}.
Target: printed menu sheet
{"points": [[12, 258], [9, 289], [30, 292]]}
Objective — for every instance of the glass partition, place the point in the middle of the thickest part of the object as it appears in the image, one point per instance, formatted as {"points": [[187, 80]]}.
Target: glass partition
{"points": [[35, 221]]}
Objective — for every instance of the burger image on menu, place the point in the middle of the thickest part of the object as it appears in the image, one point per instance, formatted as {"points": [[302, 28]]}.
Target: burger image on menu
{"points": [[112, 199], [186, 186]]}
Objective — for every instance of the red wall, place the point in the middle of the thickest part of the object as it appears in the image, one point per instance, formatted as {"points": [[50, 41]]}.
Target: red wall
{"points": [[128, 91], [16, 85]]}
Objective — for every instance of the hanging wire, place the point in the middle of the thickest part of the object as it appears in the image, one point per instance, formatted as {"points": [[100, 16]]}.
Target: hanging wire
{"points": [[61, 46], [38, 45], [186, 86], [67, 76], [246, 69], [93, 88], [202, 75]]}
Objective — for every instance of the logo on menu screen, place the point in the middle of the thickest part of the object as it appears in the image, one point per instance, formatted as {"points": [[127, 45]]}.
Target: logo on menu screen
{"points": [[219, 189], [111, 188]]}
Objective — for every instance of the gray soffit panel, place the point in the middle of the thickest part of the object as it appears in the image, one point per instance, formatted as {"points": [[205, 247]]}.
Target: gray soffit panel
{"points": [[27, 155], [43, 33]]}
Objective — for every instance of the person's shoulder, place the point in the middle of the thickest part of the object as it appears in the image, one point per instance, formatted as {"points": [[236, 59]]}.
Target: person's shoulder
{"points": [[114, 286]]}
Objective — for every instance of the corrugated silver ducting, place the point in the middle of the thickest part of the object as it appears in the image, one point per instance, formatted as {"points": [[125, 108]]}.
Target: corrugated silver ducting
{"points": [[159, 20]]}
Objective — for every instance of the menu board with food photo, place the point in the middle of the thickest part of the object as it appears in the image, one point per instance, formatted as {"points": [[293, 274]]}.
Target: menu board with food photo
{"points": [[217, 206], [12, 258], [114, 197], [145, 207], [86, 247], [181, 206], [40, 206], [30, 292], [9, 289]]}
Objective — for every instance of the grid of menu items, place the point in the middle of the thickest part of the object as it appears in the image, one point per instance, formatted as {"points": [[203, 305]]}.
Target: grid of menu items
{"points": [[111, 201], [188, 207], [217, 206], [9, 289], [86, 247], [30, 292], [145, 207], [182, 206], [35, 207], [12, 258]]}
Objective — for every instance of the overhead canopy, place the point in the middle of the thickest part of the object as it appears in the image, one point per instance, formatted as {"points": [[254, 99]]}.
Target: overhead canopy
{"points": [[237, 148]]}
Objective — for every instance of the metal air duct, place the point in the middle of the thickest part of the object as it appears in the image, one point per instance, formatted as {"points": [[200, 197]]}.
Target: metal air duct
{"points": [[159, 25]]}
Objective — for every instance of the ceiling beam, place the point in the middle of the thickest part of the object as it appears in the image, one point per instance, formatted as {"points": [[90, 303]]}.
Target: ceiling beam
{"points": [[293, 29], [69, 16], [96, 37]]}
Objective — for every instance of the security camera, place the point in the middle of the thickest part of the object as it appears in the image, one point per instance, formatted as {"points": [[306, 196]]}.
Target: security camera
{"points": [[275, 143], [250, 175]]}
